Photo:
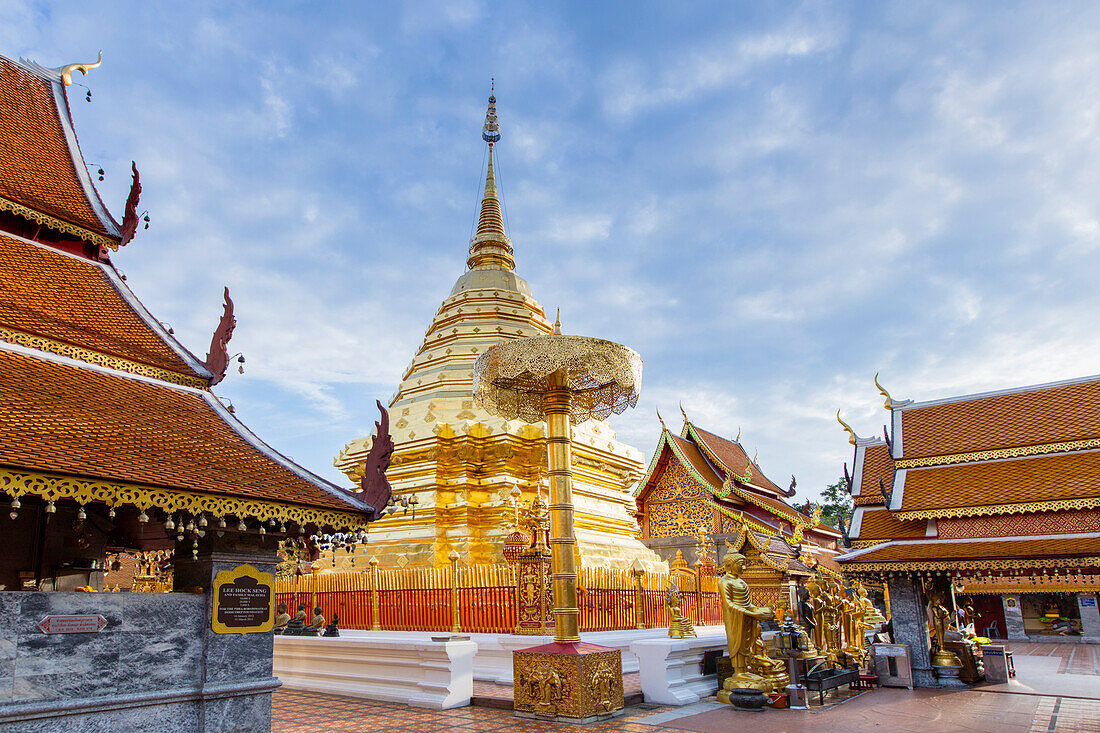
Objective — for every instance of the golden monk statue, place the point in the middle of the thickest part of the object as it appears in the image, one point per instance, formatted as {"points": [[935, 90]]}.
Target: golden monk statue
{"points": [[940, 619], [281, 620], [833, 632], [742, 621], [815, 605], [871, 615]]}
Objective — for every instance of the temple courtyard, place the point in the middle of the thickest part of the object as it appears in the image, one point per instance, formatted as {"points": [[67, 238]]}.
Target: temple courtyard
{"points": [[1057, 688]]}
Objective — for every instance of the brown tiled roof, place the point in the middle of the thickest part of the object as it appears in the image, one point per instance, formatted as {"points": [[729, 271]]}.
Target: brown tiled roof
{"points": [[1047, 415], [36, 167], [880, 524], [691, 453], [1060, 477], [67, 299], [733, 458], [980, 549], [877, 464], [57, 418]]}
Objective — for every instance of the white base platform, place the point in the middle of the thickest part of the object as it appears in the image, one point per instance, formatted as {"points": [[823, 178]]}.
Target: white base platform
{"points": [[380, 665], [672, 669]]}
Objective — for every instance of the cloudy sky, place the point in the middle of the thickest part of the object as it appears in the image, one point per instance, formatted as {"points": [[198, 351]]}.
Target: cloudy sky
{"points": [[770, 202]]}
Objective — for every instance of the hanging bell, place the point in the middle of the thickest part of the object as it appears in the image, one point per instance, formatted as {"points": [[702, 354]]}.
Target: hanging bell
{"points": [[221, 522], [111, 512], [241, 527], [80, 515], [202, 520], [51, 507], [143, 517], [169, 525], [263, 530]]}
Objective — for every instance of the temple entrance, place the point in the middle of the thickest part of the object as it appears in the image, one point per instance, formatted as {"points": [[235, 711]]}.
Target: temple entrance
{"points": [[1051, 614], [991, 615]]}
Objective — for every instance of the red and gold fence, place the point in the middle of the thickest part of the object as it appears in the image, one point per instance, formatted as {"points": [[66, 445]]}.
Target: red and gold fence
{"points": [[423, 599]]}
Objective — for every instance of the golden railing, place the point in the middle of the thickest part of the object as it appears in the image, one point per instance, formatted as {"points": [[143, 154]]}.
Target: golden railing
{"points": [[424, 599]]}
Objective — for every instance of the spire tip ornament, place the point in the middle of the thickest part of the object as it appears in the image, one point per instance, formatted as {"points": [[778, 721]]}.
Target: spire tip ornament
{"points": [[490, 132]]}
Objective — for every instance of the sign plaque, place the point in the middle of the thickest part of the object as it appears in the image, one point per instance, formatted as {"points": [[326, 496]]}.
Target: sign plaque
{"points": [[244, 601], [72, 624]]}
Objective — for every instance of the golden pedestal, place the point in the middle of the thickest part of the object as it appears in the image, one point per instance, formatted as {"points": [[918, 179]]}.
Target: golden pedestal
{"points": [[536, 599], [571, 682]]}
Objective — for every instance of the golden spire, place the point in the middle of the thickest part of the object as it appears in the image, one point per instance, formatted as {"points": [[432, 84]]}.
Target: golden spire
{"points": [[67, 71], [557, 323], [490, 247]]}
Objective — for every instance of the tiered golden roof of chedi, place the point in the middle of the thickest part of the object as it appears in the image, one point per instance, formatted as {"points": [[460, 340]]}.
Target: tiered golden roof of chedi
{"points": [[99, 404], [995, 481], [460, 460]]}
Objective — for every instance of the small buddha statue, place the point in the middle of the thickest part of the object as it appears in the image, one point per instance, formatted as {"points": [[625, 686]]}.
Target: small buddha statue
{"points": [[871, 614], [281, 620], [333, 629], [679, 625], [815, 608], [316, 624], [297, 624]]}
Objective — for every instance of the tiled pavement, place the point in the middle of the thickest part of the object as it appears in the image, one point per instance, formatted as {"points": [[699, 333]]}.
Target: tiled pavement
{"points": [[1075, 658], [920, 711]]}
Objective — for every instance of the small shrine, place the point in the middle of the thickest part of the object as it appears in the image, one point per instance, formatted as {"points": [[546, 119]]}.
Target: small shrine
{"points": [[986, 503], [702, 485], [116, 453]]}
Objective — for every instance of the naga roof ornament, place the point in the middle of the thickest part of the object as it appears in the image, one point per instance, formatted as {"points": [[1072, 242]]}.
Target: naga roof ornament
{"points": [[217, 359], [852, 437], [67, 71], [882, 390]]}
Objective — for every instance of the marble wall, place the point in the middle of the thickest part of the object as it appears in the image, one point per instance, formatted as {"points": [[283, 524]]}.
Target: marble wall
{"points": [[1014, 617], [156, 666], [911, 627]]}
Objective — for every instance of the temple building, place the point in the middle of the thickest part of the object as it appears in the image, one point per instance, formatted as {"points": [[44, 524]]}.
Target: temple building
{"points": [[701, 486], [112, 443], [995, 493], [460, 462]]}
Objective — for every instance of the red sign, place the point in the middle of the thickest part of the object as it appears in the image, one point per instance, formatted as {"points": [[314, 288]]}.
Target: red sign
{"points": [[72, 624]]}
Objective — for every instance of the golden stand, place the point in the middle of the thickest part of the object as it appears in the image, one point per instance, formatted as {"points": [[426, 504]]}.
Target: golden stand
{"points": [[561, 379]]}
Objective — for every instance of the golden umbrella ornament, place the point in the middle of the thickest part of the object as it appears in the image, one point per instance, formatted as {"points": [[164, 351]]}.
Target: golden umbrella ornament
{"points": [[563, 380]]}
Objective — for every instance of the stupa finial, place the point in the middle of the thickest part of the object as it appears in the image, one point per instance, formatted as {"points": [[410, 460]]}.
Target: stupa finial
{"points": [[490, 132], [490, 246], [557, 323]]}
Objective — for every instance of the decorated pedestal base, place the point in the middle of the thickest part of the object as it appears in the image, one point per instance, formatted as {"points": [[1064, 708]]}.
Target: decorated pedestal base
{"points": [[571, 682], [768, 680]]}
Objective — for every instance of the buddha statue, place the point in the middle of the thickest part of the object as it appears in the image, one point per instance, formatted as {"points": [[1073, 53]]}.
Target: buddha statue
{"points": [[333, 629], [871, 615], [807, 624], [940, 619], [679, 625], [815, 604], [281, 620], [832, 615], [316, 624], [742, 621], [297, 624]]}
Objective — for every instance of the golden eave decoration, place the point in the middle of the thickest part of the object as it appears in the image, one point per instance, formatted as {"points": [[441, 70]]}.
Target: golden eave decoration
{"points": [[88, 491], [882, 391], [58, 224], [852, 437], [1012, 564]]}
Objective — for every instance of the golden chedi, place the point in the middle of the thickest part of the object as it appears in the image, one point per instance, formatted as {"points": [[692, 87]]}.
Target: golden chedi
{"points": [[461, 461]]}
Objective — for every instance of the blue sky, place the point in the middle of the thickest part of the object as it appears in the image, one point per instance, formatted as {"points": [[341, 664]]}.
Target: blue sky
{"points": [[770, 202]]}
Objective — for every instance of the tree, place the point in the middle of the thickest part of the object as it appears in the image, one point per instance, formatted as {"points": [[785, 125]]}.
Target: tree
{"points": [[836, 504]]}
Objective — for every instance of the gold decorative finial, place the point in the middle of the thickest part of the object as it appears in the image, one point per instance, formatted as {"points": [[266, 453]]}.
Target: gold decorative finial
{"points": [[738, 438], [755, 455], [67, 71], [557, 323], [490, 132], [852, 437], [661, 419], [882, 390], [686, 419]]}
